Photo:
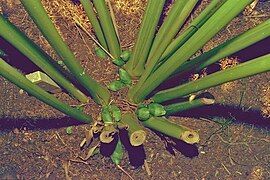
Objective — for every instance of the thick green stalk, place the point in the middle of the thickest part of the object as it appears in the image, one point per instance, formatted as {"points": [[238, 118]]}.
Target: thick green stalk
{"points": [[227, 48], [179, 41], [171, 129], [38, 14], [183, 106], [192, 28], [172, 24], [108, 28], [27, 47], [147, 17], [22, 82], [250, 68], [215, 23], [136, 132], [169, 29], [89, 9], [145, 37]]}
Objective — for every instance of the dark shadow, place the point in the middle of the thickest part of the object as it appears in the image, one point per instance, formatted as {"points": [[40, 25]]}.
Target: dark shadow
{"points": [[163, 13], [238, 114], [188, 150], [77, 2], [256, 50], [136, 154], [16, 59], [172, 144], [107, 149]]}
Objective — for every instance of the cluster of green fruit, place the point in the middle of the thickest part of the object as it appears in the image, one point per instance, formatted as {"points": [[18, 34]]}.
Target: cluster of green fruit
{"points": [[144, 112]]}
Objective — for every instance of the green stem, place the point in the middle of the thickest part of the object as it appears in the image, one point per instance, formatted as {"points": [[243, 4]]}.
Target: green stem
{"points": [[253, 67], [27, 47], [136, 132], [227, 48], [89, 9], [145, 37], [169, 29], [168, 128], [183, 106], [22, 82], [35, 9], [108, 28], [172, 24], [192, 28], [215, 23]]}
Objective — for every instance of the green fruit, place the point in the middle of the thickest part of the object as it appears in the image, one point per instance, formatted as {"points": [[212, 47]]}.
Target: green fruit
{"points": [[142, 106], [143, 114], [118, 62], [156, 109], [115, 112], [106, 116], [69, 130], [125, 56], [124, 76], [116, 85]]}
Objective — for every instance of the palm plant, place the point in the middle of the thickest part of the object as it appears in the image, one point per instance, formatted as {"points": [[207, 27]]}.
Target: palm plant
{"points": [[159, 54]]}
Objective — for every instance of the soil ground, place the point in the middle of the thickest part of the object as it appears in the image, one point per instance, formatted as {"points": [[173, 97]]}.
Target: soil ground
{"points": [[235, 141]]}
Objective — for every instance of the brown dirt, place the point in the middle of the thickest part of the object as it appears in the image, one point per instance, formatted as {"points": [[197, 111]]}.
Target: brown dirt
{"points": [[235, 143]]}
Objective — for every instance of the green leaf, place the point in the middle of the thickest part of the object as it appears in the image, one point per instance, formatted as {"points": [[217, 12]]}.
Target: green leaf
{"points": [[116, 113], [143, 113], [219, 20], [118, 153], [116, 85], [69, 130], [92, 16], [106, 23], [246, 69], [106, 116], [125, 56], [156, 109], [118, 62], [124, 76], [14, 76], [100, 53], [145, 36], [39, 15]]}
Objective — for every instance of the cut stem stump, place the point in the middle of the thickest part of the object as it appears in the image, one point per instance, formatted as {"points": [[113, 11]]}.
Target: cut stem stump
{"points": [[136, 132], [168, 128]]}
